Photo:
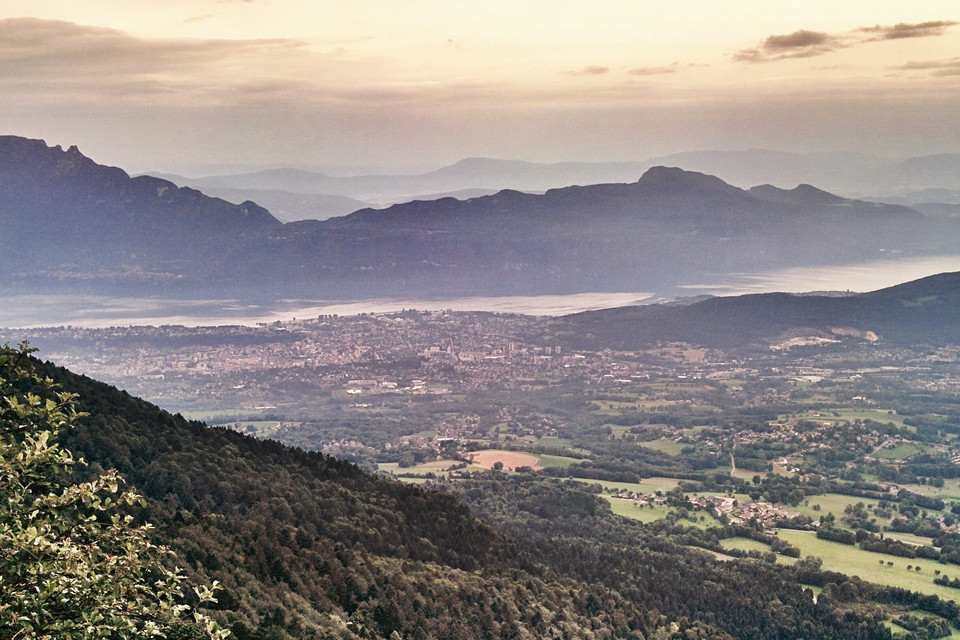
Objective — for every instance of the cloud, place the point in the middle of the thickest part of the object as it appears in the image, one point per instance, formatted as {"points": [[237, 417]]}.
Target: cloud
{"points": [[593, 70], [52, 50], [903, 30], [653, 71], [949, 67], [801, 39], [799, 44], [806, 44]]}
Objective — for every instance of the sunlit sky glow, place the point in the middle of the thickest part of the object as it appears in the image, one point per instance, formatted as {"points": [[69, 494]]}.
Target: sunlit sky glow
{"points": [[188, 85]]}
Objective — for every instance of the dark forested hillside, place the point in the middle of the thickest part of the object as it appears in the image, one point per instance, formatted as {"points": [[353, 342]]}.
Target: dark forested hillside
{"points": [[307, 546]]}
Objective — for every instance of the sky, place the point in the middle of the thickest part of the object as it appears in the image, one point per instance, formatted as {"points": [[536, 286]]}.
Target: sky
{"points": [[197, 86]]}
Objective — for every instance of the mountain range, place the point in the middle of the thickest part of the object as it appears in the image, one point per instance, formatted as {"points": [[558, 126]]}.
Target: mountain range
{"points": [[854, 175], [73, 225]]}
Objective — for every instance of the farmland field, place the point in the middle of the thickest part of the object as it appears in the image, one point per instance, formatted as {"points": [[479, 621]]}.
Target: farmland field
{"points": [[668, 447], [647, 486], [833, 503], [511, 459], [899, 452], [874, 567], [744, 544], [551, 462], [652, 513]]}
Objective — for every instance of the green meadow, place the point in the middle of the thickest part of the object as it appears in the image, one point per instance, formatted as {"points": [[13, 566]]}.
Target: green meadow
{"points": [[646, 486], [652, 513], [874, 567], [668, 447]]}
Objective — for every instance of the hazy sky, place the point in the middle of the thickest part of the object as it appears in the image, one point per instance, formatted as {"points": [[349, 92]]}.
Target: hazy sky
{"points": [[413, 84]]}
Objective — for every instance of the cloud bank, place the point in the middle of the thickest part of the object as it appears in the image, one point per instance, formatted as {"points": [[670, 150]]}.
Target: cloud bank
{"points": [[593, 70], [806, 44], [900, 31], [941, 68]]}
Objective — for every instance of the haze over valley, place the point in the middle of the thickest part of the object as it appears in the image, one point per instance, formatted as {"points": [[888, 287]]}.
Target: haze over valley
{"points": [[664, 235]]}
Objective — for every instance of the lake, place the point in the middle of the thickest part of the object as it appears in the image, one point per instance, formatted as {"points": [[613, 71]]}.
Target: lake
{"points": [[859, 277], [100, 311]]}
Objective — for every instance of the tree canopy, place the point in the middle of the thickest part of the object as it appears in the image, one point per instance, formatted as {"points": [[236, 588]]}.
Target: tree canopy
{"points": [[73, 564]]}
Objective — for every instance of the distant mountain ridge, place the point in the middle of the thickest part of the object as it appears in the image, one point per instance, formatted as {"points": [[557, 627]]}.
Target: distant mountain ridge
{"points": [[74, 225], [68, 221], [925, 311], [851, 174], [468, 175]]}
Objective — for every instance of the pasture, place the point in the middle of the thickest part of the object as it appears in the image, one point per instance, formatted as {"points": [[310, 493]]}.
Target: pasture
{"points": [[663, 445], [652, 513], [875, 567], [645, 486]]}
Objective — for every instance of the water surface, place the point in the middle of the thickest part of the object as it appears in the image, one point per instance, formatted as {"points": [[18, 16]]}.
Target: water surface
{"points": [[102, 311]]}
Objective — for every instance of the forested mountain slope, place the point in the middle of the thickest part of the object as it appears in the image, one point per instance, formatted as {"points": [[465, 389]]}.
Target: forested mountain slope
{"points": [[307, 546]]}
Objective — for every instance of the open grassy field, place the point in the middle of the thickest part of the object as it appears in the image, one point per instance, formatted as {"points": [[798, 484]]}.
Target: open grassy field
{"points": [[850, 414], [668, 447], [744, 544], [617, 430], [655, 402], [647, 513], [949, 491], [511, 459], [716, 554], [873, 567], [204, 416], [553, 462], [413, 479], [897, 629], [216, 416], [698, 429], [614, 407], [647, 486], [882, 416], [833, 503], [551, 441], [652, 513], [908, 538], [899, 452]]}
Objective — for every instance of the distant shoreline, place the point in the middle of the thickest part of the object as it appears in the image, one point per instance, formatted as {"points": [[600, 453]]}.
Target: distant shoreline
{"points": [[91, 311], [85, 311]]}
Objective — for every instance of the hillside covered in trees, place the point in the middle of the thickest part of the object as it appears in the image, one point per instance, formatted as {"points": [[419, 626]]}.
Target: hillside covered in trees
{"points": [[308, 546]]}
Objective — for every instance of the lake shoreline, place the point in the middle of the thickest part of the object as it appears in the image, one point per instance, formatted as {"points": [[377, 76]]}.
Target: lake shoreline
{"points": [[91, 311]]}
